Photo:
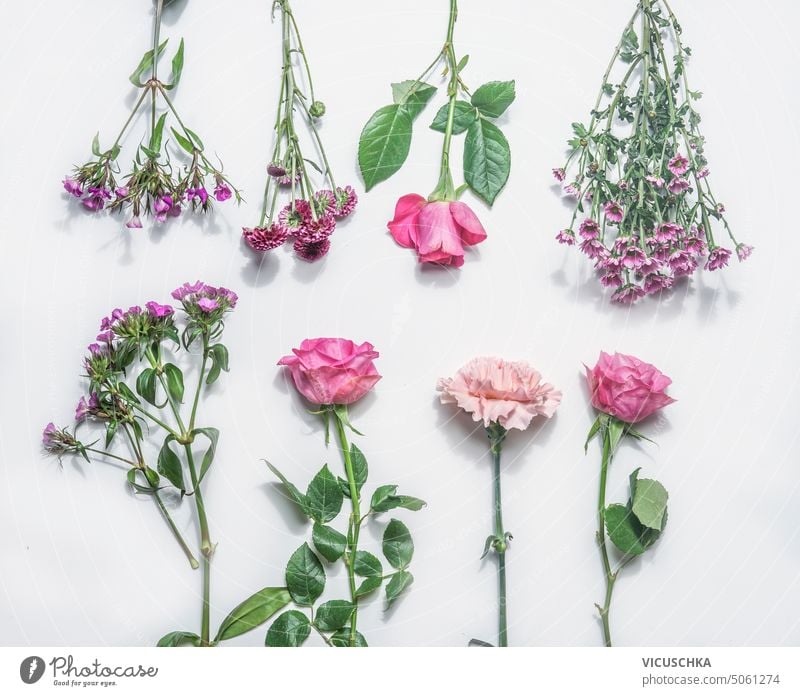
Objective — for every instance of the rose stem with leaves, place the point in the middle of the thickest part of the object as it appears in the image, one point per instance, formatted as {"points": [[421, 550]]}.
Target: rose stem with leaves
{"points": [[497, 434], [354, 525]]}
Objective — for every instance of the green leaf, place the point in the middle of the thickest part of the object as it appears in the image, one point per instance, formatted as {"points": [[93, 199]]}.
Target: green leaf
{"points": [[329, 542], [185, 143], [253, 612], [137, 487], [398, 546], [292, 490], [650, 503], [384, 144], [493, 98], [367, 566], [146, 385], [592, 432], [332, 615], [174, 382], [125, 391], [305, 576], [111, 430], [399, 583], [220, 355], [360, 468], [213, 436], [385, 499], [412, 95], [464, 116], [157, 135], [145, 64], [169, 466], [341, 639], [476, 643], [625, 531], [323, 496], [369, 585], [96, 145], [179, 639], [381, 494], [177, 68], [487, 159], [289, 630], [195, 137]]}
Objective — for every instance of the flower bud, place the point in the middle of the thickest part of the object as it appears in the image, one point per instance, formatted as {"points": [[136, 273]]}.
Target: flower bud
{"points": [[317, 109]]}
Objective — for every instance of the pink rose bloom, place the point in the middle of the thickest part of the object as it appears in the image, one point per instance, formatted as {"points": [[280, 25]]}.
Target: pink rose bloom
{"points": [[332, 370], [499, 391], [438, 230], [627, 388]]}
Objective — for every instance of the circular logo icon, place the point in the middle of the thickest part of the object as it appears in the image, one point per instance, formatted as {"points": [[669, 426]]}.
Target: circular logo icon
{"points": [[31, 669]]}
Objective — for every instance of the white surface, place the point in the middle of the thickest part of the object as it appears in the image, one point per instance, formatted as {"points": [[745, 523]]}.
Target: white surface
{"points": [[85, 563]]}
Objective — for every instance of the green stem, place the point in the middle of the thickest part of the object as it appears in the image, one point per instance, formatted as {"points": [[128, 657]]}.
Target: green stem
{"points": [[206, 547], [154, 76], [610, 577], [354, 526], [197, 391], [445, 189], [178, 536], [497, 434], [130, 118]]}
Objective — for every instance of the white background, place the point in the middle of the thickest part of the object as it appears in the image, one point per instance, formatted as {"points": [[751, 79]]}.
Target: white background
{"points": [[84, 562]]}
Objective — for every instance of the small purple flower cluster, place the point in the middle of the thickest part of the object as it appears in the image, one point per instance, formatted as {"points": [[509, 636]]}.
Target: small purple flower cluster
{"points": [[309, 222], [58, 440], [202, 300]]}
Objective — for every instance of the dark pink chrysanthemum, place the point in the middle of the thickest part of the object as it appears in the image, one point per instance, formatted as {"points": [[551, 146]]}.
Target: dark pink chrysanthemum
{"points": [[312, 251], [589, 229], [627, 294], [593, 249], [668, 232], [633, 258], [323, 202], [655, 181], [294, 217], [346, 201], [717, 258], [656, 282], [566, 237], [276, 170], [611, 279], [613, 211], [682, 263], [265, 238], [317, 230]]}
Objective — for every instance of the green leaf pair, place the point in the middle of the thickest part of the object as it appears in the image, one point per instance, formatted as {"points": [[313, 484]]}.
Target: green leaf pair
{"points": [[636, 526]]}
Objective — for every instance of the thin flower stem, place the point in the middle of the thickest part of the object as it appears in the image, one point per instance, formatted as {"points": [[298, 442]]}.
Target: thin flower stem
{"points": [[610, 577], [300, 48], [206, 548], [444, 189], [354, 526], [199, 388], [181, 541], [103, 453], [500, 541], [156, 420], [130, 118]]}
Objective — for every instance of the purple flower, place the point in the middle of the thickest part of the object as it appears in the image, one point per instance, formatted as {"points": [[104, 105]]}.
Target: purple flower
{"points": [[703, 173], [668, 232], [613, 211], [87, 407], [572, 190], [627, 294], [73, 187], [559, 174], [682, 263], [275, 169], [95, 349], [159, 310], [346, 201], [121, 191], [593, 249], [96, 198], [718, 258], [694, 244], [208, 304], [743, 251], [678, 165], [105, 337], [677, 186], [162, 206], [655, 181], [656, 282], [312, 251], [566, 237], [589, 229], [222, 192], [198, 192], [265, 238], [50, 437], [633, 258], [134, 223], [611, 279]]}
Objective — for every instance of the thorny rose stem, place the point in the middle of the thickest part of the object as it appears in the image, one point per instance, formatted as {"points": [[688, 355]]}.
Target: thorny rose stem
{"points": [[354, 526], [445, 187]]}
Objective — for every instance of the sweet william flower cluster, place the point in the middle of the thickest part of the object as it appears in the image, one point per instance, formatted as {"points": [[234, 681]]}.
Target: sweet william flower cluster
{"points": [[645, 213], [310, 216]]}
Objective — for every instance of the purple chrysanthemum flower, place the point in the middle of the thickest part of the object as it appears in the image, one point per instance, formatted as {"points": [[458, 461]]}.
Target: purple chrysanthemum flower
{"points": [[678, 165], [294, 217], [677, 186], [346, 201], [655, 181], [566, 237], [613, 211], [628, 294], [559, 174], [717, 258], [743, 251], [265, 238], [312, 251], [276, 170], [589, 229]]}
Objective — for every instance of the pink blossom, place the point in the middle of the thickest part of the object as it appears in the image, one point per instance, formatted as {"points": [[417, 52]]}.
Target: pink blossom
{"points": [[208, 304], [614, 211], [678, 165], [346, 201], [222, 192], [743, 251], [627, 294], [293, 216], [627, 388], [159, 311], [135, 223], [332, 370], [313, 250], [668, 232], [589, 229], [492, 390], [559, 174], [678, 186], [717, 258], [73, 187], [566, 237], [703, 173], [265, 238], [655, 181], [437, 230]]}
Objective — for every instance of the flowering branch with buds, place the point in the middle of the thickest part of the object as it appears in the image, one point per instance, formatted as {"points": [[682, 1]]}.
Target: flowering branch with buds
{"points": [[639, 172], [311, 214], [153, 185]]}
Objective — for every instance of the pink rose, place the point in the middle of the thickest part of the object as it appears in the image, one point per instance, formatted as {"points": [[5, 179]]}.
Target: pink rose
{"points": [[332, 370], [627, 388], [438, 230], [499, 391]]}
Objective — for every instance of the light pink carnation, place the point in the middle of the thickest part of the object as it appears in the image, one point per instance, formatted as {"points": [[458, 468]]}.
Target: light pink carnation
{"points": [[498, 391]]}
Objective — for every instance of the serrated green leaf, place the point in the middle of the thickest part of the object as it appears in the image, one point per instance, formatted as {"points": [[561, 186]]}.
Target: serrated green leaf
{"points": [[341, 639], [464, 116], [305, 576], [384, 144], [487, 159], [169, 466], [625, 531], [366, 565], [493, 98], [650, 503], [329, 542], [253, 612], [398, 547], [369, 585], [333, 615], [290, 630], [399, 583], [323, 496], [413, 96], [179, 639]]}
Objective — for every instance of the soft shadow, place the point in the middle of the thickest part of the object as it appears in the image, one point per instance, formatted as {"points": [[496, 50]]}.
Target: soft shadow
{"points": [[295, 520], [172, 11], [307, 272], [260, 270], [436, 276]]}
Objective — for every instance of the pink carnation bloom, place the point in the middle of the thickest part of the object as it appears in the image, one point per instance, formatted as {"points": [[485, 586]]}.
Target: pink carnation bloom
{"points": [[437, 230], [656, 181], [492, 390]]}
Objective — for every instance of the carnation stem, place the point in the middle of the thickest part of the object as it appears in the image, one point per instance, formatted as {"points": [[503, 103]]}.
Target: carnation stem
{"points": [[354, 526], [496, 436], [610, 577]]}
